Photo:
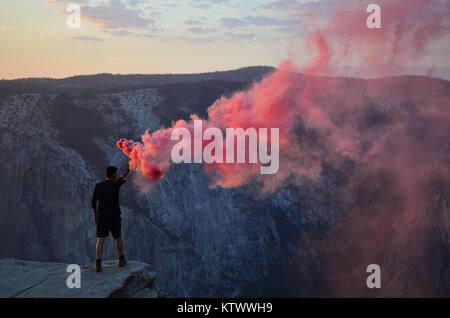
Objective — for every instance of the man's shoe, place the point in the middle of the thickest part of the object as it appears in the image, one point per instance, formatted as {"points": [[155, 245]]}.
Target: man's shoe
{"points": [[98, 266], [122, 261]]}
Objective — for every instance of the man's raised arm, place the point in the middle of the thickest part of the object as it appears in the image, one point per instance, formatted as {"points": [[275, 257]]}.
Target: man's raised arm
{"points": [[127, 174]]}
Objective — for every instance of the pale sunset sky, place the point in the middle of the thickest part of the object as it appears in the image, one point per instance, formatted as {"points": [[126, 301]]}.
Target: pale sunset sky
{"points": [[157, 36]]}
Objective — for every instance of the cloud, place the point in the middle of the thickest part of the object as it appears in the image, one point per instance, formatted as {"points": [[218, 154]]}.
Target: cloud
{"points": [[253, 21], [280, 5], [116, 15], [146, 35], [201, 30], [231, 36], [171, 5], [120, 33], [262, 21], [192, 22], [135, 3], [194, 40], [86, 38], [291, 4], [203, 40], [232, 22], [294, 28], [201, 4]]}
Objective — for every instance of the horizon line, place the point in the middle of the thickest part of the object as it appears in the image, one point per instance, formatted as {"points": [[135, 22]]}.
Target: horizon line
{"points": [[128, 74]]}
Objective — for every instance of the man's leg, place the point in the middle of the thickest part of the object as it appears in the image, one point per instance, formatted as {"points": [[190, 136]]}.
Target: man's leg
{"points": [[98, 254], [116, 230], [102, 234], [119, 245], [99, 247]]}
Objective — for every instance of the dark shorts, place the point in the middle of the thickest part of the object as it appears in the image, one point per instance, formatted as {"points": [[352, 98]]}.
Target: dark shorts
{"points": [[113, 226]]}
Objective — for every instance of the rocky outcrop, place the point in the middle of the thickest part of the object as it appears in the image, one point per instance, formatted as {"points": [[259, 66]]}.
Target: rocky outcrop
{"points": [[25, 279]]}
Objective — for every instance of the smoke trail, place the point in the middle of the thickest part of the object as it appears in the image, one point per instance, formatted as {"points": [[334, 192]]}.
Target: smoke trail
{"points": [[397, 193], [408, 32], [296, 103]]}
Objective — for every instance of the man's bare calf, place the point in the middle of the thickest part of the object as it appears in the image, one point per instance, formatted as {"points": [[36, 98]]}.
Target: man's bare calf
{"points": [[99, 252]]}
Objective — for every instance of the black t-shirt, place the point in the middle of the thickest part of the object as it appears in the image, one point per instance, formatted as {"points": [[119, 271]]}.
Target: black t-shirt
{"points": [[106, 193]]}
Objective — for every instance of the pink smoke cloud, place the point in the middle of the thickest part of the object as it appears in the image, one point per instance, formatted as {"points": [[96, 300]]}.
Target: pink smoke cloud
{"points": [[285, 99], [395, 131]]}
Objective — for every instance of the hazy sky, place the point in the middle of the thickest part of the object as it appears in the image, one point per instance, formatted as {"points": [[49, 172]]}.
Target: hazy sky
{"points": [[157, 36], [132, 36]]}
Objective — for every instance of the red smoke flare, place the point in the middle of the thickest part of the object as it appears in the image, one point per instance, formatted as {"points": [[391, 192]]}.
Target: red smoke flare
{"points": [[286, 100]]}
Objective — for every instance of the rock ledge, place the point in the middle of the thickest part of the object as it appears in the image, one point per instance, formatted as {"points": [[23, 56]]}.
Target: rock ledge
{"points": [[48, 280]]}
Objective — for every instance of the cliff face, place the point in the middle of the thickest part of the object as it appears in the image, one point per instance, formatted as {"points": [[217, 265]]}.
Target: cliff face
{"points": [[54, 149], [201, 241]]}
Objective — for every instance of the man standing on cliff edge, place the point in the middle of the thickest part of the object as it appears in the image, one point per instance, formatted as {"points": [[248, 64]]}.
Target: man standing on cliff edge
{"points": [[107, 215]]}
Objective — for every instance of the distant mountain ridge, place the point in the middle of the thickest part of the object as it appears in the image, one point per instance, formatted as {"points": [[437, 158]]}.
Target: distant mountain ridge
{"points": [[114, 83], [105, 82]]}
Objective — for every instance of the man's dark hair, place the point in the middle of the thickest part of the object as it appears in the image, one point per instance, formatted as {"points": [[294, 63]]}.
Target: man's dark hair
{"points": [[110, 171]]}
